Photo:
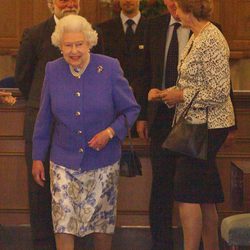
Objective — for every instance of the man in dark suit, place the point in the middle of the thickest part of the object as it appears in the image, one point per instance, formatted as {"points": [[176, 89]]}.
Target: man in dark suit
{"points": [[123, 38], [156, 119], [35, 51]]}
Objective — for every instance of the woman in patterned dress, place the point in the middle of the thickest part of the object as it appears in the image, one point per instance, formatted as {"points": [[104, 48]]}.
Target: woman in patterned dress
{"points": [[203, 68], [84, 103]]}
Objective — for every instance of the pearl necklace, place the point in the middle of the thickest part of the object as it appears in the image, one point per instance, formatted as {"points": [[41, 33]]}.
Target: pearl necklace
{"points": [[77, 72]]}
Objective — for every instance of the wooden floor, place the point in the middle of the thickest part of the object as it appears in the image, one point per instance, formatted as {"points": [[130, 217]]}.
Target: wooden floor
{"points": [[19, 238]]}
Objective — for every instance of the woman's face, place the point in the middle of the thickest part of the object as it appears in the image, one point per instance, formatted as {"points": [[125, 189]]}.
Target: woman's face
{"points": [[183, 16], [75, 49]]}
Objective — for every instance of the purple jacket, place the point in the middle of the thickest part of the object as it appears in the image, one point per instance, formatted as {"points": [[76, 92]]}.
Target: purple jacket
{"points": [[79, 109]]}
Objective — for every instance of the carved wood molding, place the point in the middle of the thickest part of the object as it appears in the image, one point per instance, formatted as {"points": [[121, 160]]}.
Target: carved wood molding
{"points": [[242, 100]]}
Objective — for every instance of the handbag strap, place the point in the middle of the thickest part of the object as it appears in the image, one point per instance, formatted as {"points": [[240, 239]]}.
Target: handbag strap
{"points": [[129, 135], [185, 111]]}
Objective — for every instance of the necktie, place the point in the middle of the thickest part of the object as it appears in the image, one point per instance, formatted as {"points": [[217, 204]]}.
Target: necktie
{"points": [[129, 30], [129, 34], [172, 59]]}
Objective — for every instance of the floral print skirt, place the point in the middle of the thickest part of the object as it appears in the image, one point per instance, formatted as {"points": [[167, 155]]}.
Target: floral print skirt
{"points": [[84, 202]]}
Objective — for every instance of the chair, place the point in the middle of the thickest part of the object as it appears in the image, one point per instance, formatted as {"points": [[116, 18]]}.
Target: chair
{"points": [[235, 231], [8, 82]]}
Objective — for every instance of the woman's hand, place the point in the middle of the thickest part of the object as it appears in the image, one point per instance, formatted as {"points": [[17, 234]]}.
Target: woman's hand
{"points": [[154, 95], [171, 96], [4, 93], [99, 141], [38, 172], [6, 97]]}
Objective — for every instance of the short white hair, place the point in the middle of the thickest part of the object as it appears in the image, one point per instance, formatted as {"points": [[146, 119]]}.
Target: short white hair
{"points": [[51, 5], [74, 23]]}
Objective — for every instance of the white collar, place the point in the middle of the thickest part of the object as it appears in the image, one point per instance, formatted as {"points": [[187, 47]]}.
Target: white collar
{"points": [[136, 18], [56, 19], [173, 21]]}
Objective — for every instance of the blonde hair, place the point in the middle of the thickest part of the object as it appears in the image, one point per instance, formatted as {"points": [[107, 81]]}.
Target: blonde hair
{"points": [[74, 23], [201, 9]]}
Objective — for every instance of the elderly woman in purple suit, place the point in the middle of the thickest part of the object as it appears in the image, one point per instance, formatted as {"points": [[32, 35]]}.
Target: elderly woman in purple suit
{"points": [[85, 101]]}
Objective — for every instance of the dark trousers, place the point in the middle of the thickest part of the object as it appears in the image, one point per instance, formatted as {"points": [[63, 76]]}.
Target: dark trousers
{"points": [[161, 200], [39, 197]]}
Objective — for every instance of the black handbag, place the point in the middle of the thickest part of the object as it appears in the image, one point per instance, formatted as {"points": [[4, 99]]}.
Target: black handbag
{"points": [[130, 164], [187, 138]]}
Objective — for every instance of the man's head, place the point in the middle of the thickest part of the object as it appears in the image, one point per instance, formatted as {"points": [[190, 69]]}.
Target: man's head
{"points": [[130, 8], [63, 8], [171, 8]]}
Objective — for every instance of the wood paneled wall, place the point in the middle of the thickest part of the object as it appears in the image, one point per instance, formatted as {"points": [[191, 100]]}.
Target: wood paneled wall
{"points": [[234, 16], [13, 174], [133, 192], [15, 15]]}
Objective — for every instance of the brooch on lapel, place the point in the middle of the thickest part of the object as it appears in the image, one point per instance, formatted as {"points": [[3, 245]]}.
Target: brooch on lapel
{"points": [[99, 69]]}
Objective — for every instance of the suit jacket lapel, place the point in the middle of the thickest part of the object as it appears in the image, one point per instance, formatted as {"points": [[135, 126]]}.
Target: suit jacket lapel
{"points": [[51, 24], [119, 32], [162, 45], [140, 26], [55, 52]]}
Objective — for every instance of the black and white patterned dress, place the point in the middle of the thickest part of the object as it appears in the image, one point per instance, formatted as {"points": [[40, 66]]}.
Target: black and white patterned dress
{"points": [[204, 68]]}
